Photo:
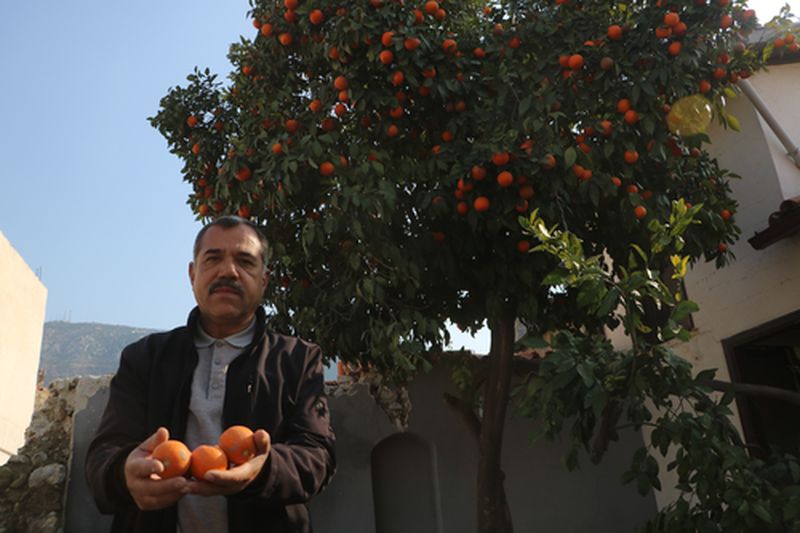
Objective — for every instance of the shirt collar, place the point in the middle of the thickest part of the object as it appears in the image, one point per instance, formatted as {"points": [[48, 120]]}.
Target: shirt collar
{"points": [[238, 340]]}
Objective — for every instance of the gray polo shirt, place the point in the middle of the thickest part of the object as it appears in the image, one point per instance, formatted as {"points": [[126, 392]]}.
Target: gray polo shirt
{"points": [[204, 426]]}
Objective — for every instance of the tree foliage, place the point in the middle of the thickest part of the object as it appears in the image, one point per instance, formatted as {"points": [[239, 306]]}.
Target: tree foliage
{"points": [[584, 381], [388, 147]]}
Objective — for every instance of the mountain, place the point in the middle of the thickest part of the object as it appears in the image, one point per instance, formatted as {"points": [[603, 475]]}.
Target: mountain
{"points": [[86, 349], [82, 349]]}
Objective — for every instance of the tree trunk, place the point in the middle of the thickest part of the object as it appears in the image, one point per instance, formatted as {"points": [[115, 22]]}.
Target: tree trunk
{"points": [[493, 511]]}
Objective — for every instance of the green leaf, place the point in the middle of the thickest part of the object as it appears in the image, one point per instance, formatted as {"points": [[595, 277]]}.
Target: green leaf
{"points": [[761, 512], [570, 156]]}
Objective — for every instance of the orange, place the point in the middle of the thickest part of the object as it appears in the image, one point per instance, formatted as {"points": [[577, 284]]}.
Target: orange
{"points": [[631, 156], [315, 106], [615, 32], [478, 172], [431, 7], [277, 148], [500, 158], [725, 214], [243, 174], [674, 48], [340, 83], [285, 39], [397, 78], [640, 211], [237, 441], [386, 57], [206, 457], [411, 43], [196, 148], [481, 204], [704, 86], [479, 53], [173, 454], [449, 46], [623, 105], [462, 208], [316, 17], [671, 19], [526, 192], [244, 212], [523, 246], [191, 121], [505, 178], [392, 130], [326, 169], [291, 125], [266, 29], [575, 61], [386, 38], [631, 117]]}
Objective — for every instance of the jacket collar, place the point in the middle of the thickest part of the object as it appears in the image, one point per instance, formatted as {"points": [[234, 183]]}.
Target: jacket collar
{"points": [[193, 323]]}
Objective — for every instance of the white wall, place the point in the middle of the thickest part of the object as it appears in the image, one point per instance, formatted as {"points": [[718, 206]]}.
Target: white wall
{"points": [[760, 285], [22, 307], [780, 89]]}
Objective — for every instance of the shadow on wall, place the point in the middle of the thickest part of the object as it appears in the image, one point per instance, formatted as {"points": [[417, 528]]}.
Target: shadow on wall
{"points": [[423, 479]]}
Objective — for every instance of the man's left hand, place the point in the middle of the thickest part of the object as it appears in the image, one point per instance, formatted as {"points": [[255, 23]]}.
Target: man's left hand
{"points": [[225, 482]]}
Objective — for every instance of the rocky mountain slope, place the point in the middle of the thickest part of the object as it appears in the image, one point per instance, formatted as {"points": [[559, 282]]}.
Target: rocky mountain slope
{"points": [[82, 349]]}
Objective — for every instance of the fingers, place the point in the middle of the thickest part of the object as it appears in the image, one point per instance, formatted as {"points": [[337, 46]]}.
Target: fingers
{"points": [[152, 494], [161, 435], [141, 476], [263, 441]]}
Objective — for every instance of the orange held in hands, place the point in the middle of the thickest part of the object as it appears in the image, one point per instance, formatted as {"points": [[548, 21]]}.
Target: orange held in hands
{"points": [[238, 444], [205, 458], [175, 456]]}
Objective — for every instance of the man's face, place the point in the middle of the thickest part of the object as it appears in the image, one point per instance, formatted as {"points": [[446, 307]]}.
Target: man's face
{"points": [[228, 278]]}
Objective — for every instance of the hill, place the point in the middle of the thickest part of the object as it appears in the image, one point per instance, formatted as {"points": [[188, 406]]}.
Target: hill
{"points": [[80, 349]]}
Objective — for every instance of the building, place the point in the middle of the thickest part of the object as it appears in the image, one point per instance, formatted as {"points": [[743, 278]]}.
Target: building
{"points": [[22, 308]]}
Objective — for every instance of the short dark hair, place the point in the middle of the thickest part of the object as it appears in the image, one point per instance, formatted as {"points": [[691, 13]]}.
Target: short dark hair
{"points": [[231, 221]]}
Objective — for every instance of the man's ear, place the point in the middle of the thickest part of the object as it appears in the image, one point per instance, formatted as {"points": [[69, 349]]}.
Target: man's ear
{"points": [[191, 272]]}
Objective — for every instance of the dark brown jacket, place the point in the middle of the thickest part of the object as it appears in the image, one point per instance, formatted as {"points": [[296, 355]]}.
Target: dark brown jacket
{"points": [[275, 384]]}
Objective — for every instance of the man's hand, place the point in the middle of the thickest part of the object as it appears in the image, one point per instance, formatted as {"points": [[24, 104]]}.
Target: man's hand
{"points": [[225, 482], [148, 490]]}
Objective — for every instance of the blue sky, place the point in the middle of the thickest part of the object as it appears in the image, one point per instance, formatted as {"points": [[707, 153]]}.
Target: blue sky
{"points": [[89, 194]]}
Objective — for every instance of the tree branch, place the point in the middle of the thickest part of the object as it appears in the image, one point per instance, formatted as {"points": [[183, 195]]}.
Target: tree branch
{"points": [[764, 391]]}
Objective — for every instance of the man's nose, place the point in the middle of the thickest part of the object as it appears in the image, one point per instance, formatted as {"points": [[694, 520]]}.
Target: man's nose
{"points": [[228, 268]]}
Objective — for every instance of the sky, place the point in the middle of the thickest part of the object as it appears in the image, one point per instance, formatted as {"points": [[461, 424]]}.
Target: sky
{"points": [[90, 196]]}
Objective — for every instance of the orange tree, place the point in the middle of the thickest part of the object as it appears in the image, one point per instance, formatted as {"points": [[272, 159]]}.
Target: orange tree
{"points": [[387, 148]]}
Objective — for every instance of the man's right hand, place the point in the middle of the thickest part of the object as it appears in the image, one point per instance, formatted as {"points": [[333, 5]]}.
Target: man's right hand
{"points": [[148, 489]]}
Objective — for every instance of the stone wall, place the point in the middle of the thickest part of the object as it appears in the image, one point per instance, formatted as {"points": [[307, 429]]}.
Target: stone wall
{"points": [[33, 481], [403, 459]]}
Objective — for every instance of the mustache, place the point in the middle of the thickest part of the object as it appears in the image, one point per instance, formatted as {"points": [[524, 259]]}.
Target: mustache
{"points": [[226, 283]]}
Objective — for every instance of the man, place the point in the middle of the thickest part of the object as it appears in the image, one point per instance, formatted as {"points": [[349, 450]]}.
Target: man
{"points": [[222, 369]]}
